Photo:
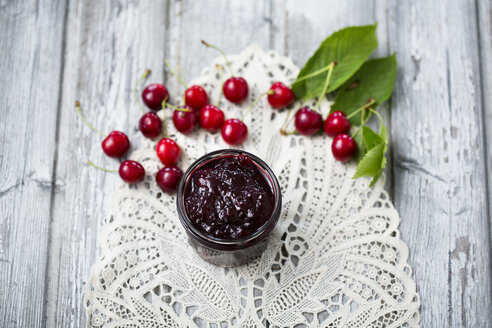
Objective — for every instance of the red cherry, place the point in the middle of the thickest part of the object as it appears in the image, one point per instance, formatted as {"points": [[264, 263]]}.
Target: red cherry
{"points": [[153, 95], [168, 178], [307, 121], [150, 125], [336, 124], [196, 97], [235, 89], [116, 144], [211, 118], [234, 132], [168, 151], [343, 147], [185, 121], [131, 171], [280, 96]]}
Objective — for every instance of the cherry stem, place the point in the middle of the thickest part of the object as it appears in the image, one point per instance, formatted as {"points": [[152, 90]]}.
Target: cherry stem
{"points": [[377, 114], [183, 79], [253, 105], [221, 72], [362, 123], [285, 133], [101, 168], [173, 73], [79, 111], [325, 87], [358, 110], [163, 105], [284, 125], [139, 81], [181, 75], [310, 75], [222, 53], [177, 108]]}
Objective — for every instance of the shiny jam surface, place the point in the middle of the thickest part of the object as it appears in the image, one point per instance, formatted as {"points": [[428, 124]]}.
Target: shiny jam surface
{"points": [[229, 197]]}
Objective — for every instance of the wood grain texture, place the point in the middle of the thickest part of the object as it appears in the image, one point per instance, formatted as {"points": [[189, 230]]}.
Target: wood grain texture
{"points": [[109, 45], [231, 25], [438, 155], [31, 35], [484, 14]]}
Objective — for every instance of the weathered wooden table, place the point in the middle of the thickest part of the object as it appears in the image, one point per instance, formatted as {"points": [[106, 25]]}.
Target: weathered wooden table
{"points": [[52, 203]]}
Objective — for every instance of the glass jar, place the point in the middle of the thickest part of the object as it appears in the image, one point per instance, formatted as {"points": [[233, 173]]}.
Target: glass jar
{"points": [[229, 252]]}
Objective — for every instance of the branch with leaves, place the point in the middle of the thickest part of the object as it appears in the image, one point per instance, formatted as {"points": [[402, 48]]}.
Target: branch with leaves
{"points": [[360, 85]]}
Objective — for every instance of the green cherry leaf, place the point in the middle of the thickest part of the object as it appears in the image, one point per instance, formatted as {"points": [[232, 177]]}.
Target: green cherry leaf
{"points": [[375, 79], [366, 139], [371, 155], [371, 138], [348, 47], [378, 174], [370, 164]]}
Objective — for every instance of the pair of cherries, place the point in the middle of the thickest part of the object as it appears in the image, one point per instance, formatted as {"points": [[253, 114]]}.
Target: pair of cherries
{"points": [[116, 144], [309, 122]]}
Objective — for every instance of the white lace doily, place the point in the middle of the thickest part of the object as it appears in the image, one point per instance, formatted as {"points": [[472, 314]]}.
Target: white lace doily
{"points": [[334, 260]]}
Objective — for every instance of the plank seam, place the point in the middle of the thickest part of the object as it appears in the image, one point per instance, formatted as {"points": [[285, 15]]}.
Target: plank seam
{"points": [[55, 166], [167, 35]]}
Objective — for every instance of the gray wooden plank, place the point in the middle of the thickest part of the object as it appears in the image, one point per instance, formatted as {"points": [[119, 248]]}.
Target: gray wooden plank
{"points": [[30, 65], [108, 46], [438, 157], [484, 14]]}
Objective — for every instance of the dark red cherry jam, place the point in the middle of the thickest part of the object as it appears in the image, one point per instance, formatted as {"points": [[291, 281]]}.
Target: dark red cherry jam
{"points": [[229, 197], [229, 201]]}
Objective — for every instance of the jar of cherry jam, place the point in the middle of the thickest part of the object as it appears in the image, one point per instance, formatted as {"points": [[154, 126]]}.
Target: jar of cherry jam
{"points": [[229, 201]]}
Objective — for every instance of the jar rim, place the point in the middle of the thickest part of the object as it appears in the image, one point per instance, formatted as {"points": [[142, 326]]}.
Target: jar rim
{"points": [[220, 243]]}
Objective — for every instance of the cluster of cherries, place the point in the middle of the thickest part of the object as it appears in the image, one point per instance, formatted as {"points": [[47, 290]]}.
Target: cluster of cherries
{"points": [[309, 122], [197, 110]]}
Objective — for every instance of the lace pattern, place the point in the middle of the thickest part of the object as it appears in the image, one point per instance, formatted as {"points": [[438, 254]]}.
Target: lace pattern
{"points": [[334, 260]]}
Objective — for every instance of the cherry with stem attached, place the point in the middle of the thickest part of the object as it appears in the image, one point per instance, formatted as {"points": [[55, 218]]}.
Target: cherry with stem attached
{"points": [[168, 178], [129, 171], [153, 96], [150, 125], [343, 147], [167, 149], [234, 131], [235, 89], [280, 95], [195, 96], [115, 144], [336, 123], [184, 118]]}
